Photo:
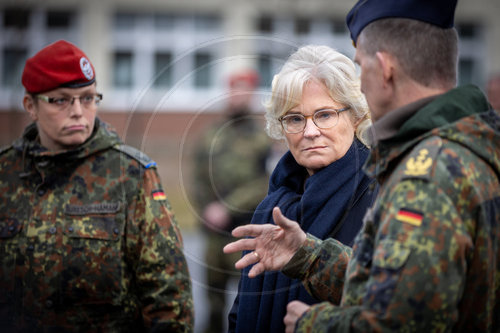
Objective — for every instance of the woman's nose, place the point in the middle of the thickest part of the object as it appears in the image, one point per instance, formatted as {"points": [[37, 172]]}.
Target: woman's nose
{"points": [[311, 130]]}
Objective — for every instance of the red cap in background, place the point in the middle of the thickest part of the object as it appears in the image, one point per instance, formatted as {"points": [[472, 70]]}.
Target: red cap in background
{"points": [[249, 77], [60, 64]]}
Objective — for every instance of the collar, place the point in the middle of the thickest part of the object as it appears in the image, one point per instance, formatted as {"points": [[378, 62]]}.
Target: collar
{"points": [[389, 125]]}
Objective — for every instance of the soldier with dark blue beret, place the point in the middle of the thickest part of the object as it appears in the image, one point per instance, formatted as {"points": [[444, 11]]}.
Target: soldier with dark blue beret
{"points": [[427, 258], [88, 240]]}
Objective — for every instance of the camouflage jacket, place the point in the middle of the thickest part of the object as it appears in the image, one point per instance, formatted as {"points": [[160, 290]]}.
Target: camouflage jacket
{"points": [[88, 242], [428, 256], [230, 167]]}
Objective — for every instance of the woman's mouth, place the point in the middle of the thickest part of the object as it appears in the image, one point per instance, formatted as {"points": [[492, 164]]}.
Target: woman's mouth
{"points": [[314, 148], [75, 128]]}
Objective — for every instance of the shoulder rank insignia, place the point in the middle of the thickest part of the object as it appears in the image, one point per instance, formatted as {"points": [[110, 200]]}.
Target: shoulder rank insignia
{"points": [[421, 160], [142, 158], [420, 165]]}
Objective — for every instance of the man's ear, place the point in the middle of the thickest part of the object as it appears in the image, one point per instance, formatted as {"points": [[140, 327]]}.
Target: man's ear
{"points": [[30, 107], [387, 66]]}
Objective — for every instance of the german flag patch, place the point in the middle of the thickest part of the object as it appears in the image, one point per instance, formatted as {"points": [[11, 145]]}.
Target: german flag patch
{"points": [[159, 195], [410, 216]]}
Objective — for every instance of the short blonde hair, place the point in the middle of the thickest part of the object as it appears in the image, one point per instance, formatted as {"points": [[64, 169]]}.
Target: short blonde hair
{"points": [[313, 62]]}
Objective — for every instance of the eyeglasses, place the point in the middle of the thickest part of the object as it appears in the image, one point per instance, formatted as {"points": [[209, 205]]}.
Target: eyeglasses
{"points": [[87, 101], [296, 123]]}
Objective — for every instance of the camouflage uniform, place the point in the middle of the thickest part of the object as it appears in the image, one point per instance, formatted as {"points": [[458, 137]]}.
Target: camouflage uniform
{"points": [[230, 168], [88, 241], [428, 256]]}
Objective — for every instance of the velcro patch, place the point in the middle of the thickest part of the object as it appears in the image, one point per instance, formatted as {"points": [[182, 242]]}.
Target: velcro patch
{"points": [[100, 208], [421, 160], [419, 166], [410, 216]]}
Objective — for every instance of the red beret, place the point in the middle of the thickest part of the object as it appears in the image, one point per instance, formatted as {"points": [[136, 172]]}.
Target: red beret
{"points": [[249, 76], [60, 64]]}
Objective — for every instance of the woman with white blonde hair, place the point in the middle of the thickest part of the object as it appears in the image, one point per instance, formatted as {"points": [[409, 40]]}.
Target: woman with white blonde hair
{"points": [[317, 107]]}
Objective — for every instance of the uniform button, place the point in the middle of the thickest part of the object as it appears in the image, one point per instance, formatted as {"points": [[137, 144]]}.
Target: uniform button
{"points": [[41, 192], [31, 247], [116, 231], [49, 303], [70, 229], [52, 230]]}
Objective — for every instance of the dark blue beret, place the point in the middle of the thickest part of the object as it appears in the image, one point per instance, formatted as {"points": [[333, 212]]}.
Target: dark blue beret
{"points": [[437, 12]]}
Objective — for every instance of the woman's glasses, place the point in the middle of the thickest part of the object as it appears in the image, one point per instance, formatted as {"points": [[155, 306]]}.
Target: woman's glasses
{"points": [[296, 123]]}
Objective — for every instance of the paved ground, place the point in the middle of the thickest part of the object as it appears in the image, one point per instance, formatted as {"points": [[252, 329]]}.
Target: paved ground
{"points": [[194, 251]]}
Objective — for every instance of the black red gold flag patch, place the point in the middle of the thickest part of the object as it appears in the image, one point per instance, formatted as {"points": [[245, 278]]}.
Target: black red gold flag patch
{"points": [[410, 216], [159, 195]]}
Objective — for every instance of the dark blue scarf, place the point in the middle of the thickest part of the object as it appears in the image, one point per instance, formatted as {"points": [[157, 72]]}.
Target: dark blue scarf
{"points": [[319, 206]]}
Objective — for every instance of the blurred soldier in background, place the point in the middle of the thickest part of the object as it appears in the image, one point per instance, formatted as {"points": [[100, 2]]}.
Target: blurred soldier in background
{"points": [[230, 181], [88, 240]]}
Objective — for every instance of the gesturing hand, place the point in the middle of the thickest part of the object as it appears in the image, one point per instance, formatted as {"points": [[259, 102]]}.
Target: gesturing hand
{"points": [[273, 245]]}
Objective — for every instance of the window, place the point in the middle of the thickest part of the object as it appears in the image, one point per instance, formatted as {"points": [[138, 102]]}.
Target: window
{"points": [[339, 26], [206, 22], [466, 71], [467, 30], [302, 26], [122, 69], [163, 70], [265, 70], [16, 18], [59, 19], [265, 24], [13, 62], [124, 21], [202, 70], [471, 65], [164, 21]]}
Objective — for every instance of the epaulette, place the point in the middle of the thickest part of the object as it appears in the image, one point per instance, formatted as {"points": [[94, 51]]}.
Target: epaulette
{"points": [[136, 154], [421, 160], [5, 149]]}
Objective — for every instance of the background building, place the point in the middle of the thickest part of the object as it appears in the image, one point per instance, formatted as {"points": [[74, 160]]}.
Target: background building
{"points": [[162, 65]]}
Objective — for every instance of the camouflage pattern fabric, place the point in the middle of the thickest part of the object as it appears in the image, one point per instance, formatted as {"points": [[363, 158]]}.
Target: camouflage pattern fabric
{"points": [[428, 256], [230, 168], [88, 241]]}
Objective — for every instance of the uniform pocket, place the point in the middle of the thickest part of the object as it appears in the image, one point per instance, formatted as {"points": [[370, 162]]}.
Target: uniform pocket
{"points": [[390, 254], [388, 259], [93, 259]]}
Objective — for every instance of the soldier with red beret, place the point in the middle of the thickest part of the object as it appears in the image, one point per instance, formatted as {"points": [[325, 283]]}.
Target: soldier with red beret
{"points": [[230, 179], [88, 240], [427, 258]]}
